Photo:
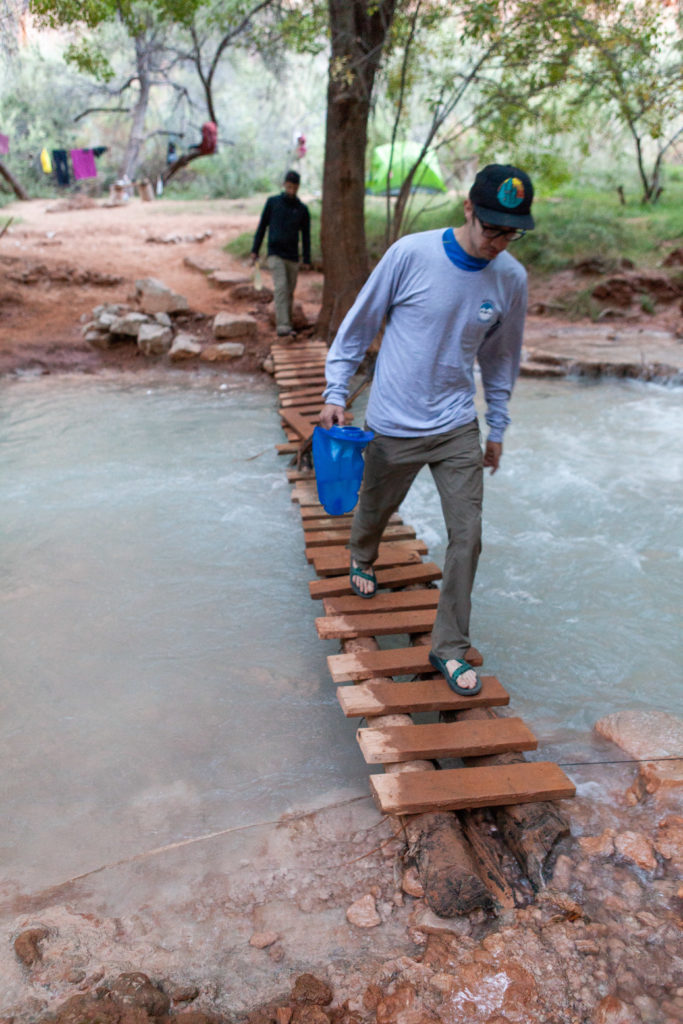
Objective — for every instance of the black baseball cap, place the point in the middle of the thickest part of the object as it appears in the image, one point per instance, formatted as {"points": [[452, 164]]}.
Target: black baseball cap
{"points": [[502, 195]]}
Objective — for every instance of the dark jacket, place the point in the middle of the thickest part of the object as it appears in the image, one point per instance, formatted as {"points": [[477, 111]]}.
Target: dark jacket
{"points": [[285, 216]]}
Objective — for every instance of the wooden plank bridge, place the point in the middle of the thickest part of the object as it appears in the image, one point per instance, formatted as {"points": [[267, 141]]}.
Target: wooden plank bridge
{"points": [[373, 678]]}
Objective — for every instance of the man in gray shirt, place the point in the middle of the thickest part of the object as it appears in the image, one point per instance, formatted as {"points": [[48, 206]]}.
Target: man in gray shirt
{"points": [[446, 298]]}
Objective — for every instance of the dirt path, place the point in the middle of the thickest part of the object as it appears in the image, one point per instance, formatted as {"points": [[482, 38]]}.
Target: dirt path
{"points": [[57, 263]]}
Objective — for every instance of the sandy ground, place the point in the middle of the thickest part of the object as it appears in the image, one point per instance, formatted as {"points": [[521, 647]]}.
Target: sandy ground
{"points": [[57, 263]]}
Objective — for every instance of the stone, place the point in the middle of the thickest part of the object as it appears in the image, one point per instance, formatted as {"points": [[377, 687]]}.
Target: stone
{"points": [[227, 278], [402, 1007], [129, 324], [363, 912], [163, 319], [598, 846], [637, 848], [184, 346], [611, 1010], [309, 1015], [643, 734], [154, 340], [261, 940], [155, 297], [411, 884], [233, 325], [96, 339], [226, 350], [309, 989], [268, 366], [136, 989], [26, 944], [668, 841], [563, 872], [429, 923]]}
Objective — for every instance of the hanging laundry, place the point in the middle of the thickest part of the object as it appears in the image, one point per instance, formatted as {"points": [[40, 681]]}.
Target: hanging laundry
{"points": [[209, 138], [4, 144], [45, 161], [99, 151], [83, 163], [60, 162]]}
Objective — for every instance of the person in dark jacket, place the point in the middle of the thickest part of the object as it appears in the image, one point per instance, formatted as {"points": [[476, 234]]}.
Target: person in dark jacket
{"points": [[285, 217]]}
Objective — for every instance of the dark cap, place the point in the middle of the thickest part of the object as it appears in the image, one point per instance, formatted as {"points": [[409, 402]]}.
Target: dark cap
{"points": [[502, 195], [293, 176]]}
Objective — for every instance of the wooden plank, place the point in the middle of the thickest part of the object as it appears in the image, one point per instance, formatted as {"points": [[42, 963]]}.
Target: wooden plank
{"points": [[391, 623], [335, 561], [397, 661], [303, 372], [292, 397], [301, 424], [393, 743], [385, 601], [313, 520], [459, 788], [331, 538], [364, 700], [288, 448], [296, 382], [399, 576]]}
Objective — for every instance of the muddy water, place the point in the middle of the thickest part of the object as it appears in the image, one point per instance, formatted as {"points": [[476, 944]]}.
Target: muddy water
{"points": [[165, 696]]}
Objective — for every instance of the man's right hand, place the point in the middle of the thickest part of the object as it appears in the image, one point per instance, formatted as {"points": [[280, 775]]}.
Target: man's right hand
{"points": [[252, 258], [331, 414]]}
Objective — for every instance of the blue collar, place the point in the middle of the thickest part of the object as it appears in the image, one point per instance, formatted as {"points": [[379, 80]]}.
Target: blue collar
{"points": [[457, 254]]}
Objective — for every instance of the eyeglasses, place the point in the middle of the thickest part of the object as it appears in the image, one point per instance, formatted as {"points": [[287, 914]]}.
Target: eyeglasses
{"points": [[490, 231]]}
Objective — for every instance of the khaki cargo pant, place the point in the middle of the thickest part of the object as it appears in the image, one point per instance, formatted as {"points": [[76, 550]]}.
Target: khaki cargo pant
{"points": [[285, 273], [456, 463]]}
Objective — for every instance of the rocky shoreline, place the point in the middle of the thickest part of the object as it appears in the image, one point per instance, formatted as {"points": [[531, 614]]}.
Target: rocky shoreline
{"points": [[324, 922]]}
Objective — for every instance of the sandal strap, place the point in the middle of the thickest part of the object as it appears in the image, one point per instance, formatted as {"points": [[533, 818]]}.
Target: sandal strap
{"points": [[355, 571], [464, 667]]}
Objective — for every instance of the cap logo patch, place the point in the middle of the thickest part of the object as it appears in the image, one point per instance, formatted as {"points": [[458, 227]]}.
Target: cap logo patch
{"points": [[486, 312], [511, 193]]}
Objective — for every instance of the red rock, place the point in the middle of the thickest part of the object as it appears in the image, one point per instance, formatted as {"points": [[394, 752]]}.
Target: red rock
{"points": [[26, 945], [643, 734], [611, 1010], [309, 989], [135, 989], [669, 841], [411, 883], [363, 912], [598, 846], [402, 1007], [636, 847], [261, 940], [310, 1014]]}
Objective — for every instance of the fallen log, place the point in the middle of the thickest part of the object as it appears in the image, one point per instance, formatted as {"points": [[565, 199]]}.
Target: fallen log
{"points": [[435, 841], [529, 830]]}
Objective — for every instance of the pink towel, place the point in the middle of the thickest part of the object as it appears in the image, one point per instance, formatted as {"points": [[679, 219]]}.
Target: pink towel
{"points": [[4, 144], [83, 163]]}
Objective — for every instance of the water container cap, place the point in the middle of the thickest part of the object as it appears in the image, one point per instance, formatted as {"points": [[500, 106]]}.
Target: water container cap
{"points": [[353, 434]]}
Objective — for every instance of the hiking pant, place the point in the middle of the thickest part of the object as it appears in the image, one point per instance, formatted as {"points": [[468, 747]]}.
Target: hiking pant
{"points": [[456, 463], [284, 273]]}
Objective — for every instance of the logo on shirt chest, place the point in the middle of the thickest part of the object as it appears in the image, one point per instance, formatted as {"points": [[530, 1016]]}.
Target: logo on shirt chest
{"points": [[486, 313]]}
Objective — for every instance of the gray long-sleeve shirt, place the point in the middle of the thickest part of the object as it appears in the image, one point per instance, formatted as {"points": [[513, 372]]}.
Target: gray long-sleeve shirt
{"points": [[439, 319]]}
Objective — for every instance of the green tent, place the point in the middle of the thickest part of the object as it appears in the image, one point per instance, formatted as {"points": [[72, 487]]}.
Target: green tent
{"points": [[427, 177]]}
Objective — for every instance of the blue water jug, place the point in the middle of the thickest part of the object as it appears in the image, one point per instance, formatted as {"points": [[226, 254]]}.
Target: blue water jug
{"points": [[338, 461]]}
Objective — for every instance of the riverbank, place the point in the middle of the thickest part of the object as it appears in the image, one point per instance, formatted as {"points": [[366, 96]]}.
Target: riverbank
{"points": [[59, 261]]}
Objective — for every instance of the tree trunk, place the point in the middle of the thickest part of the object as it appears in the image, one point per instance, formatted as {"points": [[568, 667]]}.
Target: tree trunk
{"points": [[358, 32], [136, 138], [18, 189]]}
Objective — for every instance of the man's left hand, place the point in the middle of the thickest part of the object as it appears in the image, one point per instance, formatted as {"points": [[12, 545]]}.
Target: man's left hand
{"points": [[492, 454]]}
